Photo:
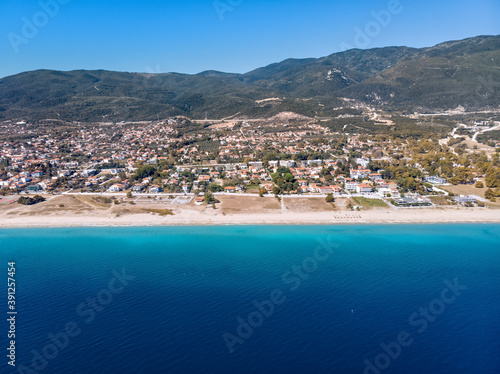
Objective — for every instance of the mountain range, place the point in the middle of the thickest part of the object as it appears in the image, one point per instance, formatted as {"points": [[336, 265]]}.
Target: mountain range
{"points": [[456, 73]]}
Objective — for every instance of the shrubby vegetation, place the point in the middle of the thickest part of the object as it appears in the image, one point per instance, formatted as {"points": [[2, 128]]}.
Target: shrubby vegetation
{"points": [[26, 200], [492, 177], [144, 172]]}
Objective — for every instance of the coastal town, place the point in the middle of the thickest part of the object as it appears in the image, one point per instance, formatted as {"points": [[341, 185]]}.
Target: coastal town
{"points": [[182, 162], [229, 186]]}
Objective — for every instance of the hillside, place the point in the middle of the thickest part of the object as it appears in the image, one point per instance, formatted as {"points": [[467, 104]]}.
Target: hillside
{"points": [[465, 73], [451, 74]]}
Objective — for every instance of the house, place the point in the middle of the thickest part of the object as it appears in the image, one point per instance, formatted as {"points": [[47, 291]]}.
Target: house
{"points": [[351, 186], [325, 190], [230, 189], [88, 172], [434, 179], [34, 188], [384, 190], [204, 178], [267, 186], [363, 161], [256, 164], [375, 177], [317, 162], [287, 163], [138, 187], [395, 193], [363, 188], [412, 200], [199, 200], [115, 188], [336, 189], [359, 173], [313, 187], [465, 199], [155, 189]]}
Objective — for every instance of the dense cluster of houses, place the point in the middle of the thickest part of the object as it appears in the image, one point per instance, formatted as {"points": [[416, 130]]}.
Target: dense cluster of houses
{"points": [[103, 158]]}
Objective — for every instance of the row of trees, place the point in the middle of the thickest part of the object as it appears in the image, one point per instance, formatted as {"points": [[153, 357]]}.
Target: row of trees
{"points": [[492, 194]]}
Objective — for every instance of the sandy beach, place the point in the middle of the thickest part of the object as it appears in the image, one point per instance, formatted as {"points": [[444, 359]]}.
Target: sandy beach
{"points": [[66, 211]]}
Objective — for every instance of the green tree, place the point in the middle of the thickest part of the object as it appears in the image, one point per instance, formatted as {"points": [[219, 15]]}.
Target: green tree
{"points": [[208, 197], [275, 176], [289, 177], [491, 194], [492, 177], [215, 188], [144, 172]]}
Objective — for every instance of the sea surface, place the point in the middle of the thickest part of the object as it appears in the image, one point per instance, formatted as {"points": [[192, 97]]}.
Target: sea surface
{"points": [[254, 299]]}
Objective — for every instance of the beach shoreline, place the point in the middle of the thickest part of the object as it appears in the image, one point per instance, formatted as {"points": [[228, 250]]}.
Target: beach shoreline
{"points": [[194, 218]]}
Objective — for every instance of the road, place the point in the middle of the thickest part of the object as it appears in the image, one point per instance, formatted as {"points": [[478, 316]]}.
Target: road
{"points": [[497, 127], [455, 130]]}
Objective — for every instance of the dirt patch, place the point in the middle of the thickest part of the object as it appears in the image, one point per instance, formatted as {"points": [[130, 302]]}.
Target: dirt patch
{"points": [[307, 204], [464, 189], [248, 204], [368, 203], [59, 205], [98, 202], [160, 212]]}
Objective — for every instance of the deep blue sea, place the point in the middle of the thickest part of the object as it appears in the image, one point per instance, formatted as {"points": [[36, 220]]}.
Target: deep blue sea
{"points": [[281, 299]]}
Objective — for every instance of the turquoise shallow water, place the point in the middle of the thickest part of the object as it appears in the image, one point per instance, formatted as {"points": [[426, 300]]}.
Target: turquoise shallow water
{"points": [[181, 299]]}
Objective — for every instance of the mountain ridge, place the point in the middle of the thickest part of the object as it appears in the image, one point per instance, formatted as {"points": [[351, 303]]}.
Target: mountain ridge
{"points": [[451, 74]]}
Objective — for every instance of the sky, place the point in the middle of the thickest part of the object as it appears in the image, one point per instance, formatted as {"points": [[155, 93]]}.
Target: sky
{"points": [[191, 36]]}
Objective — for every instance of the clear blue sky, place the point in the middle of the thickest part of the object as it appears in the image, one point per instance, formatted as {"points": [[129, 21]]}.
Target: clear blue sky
{"points": [[190, 36]]}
